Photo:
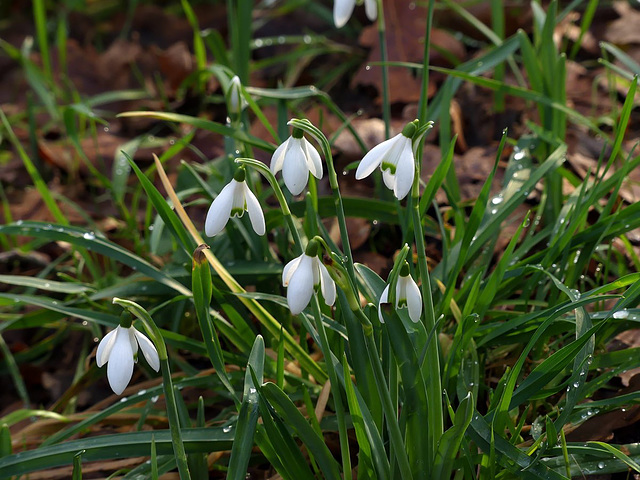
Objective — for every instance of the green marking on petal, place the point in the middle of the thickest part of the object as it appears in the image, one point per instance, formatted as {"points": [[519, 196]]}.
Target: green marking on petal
{"points": [[388, 166], [237, 212], [402, 302]]}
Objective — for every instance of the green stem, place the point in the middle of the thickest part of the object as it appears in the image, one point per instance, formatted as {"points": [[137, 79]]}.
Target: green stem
{"points": [[284, 206], [390, 412], [174, 422], [432, 358], [424, 93], [315, 132], [335, 388], [382, 38]]}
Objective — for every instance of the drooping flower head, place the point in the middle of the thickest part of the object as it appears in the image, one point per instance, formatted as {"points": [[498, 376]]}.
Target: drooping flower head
{"points": [[303, 275], [296, 157], [342, 10], [118, 350], [396, 160], [234, 199], [407, 295]]}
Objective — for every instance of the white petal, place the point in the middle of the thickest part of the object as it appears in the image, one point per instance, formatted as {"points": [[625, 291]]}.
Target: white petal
{"points": [[105, 346], [301, 286], [342, 10], [238, 198], [220, 210], [148, 350], [289, 269], [235, 95], [255, 211], [277, 158], [389, 179], [120, 365], [414, 299], [384, 298], [295, 171], [371, 9], [314, 163], [405, 171], [132, 341], [327, 285], [374, 158]]}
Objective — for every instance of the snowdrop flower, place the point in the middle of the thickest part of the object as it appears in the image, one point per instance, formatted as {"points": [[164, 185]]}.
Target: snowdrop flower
{"points": [[342, 10], [407, 295], [232, 201], [296, 157], [302, 275], [396, 160], [118, 349], [236, 100]]}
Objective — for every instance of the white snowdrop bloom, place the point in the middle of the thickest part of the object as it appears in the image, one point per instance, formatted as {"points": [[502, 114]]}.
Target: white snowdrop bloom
{"points": [[407, 295], [396, 160], [296, 157], [342, 10], [303, 275], [234, 199], [117, 349], [236, 100]]}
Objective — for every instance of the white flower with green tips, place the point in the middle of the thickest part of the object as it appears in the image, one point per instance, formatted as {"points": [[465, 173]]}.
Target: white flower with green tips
{"points": [[296, 157], [342, 10], [303, 275], [118, 350], [407, 295], [396, 160], [234, 199]]}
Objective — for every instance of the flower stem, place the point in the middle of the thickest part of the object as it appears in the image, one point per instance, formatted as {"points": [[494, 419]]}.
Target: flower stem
{"points": [[335, 387], [432, 358], [284, 206], [174, 422], [382, 39]]}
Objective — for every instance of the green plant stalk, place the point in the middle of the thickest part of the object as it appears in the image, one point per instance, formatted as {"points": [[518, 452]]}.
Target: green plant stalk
{"points": [[312, 130], [335, 387], [167, 383], [390, 411], [40, 19], [424, 90], [277, 191], [382, 39], [432, 357]]}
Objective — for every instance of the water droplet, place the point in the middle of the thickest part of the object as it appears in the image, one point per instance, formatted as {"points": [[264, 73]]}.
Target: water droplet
{"points": [[576, 384], [344, 172], [281, 39], [85, 323], [19, 222], [519, 154], [600, 464], [252, 390], [123, 399], [227, 429], [306, 39], [47, 285], [172, 142], [106, 129], [268, 41], [494, 211], [497, 200], [154, 399], [142, 392], [412, 6], [151, 227], [258, 43], [368, 67], [96, 339], [620, 314], [89, 236], [375, 222]]}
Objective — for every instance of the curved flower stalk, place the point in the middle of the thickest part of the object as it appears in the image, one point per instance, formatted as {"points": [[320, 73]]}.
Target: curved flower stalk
{"points": [[118, 349], [296, 157], [342, 10], [303, 275], [234, 199], [407, 295], [396, 159]]}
